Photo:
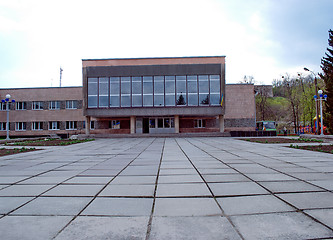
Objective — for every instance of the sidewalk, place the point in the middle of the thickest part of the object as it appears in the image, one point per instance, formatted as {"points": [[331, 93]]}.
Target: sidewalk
{"points": [[167, 188]]}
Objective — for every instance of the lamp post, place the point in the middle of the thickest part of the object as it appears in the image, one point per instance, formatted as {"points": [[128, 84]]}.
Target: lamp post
{"points": [[6, 100], [316, 89], [321, 99]]}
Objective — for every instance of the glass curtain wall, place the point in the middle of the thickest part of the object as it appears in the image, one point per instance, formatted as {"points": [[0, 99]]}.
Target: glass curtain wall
{"points": [[158, 91]]}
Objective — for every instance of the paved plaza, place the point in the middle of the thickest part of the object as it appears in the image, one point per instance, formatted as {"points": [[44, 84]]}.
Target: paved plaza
{"points": [[167, 188]]}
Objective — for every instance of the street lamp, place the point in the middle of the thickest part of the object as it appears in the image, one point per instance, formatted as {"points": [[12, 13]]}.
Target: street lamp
{"points": [[316, 89], [6, 100], [321, 99]]}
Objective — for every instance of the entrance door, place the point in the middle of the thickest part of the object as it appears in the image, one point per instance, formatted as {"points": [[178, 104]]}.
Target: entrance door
{"points": [[145, 126]]}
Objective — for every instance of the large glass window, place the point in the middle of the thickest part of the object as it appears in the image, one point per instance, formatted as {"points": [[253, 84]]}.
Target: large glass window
{"points": [[159, 91], [181, 90], [215, 90], [20, 126], [54, 105], [71, 104], [71, 125], [21, 105], [136, 92], [54, 125], [169, 90], [114, 91], [92, 92], [37, 105], [203, 90], [3, 126], [103, 92], [37, 126], [192, 86], [147, 91], [125, 91]]}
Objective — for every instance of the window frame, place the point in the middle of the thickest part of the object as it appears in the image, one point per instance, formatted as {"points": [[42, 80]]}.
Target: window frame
{"points": [[39, 104]]}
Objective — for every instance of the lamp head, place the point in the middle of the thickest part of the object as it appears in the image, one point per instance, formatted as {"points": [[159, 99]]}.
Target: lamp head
{"points": [[306, 69], [320, 91], [8, 96], [315, 97], [325, 96]]}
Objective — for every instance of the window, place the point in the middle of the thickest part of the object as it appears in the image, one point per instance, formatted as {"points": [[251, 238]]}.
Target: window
{"points": [[71, 104], [203, 90], [114, 91], [181, 90], [164, 123], [54, 125], [192, 87], [3, 106], [125, 91], [147, 91], [152, 123], [92, 125], [215, 90], [54, 105], [136, 92], [92, 92], [114, 124], [37, 126], [3, 126], [20, 126], [37, 105], [71, 125], [199, 123], [21, 105], [159, 91], [169, 90], [103, 92]]}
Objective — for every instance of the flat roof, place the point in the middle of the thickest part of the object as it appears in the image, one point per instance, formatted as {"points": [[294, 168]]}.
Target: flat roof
{"points": [[101, 59], [39, 87]]}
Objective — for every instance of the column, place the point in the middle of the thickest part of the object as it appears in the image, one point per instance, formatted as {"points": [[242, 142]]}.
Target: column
{"points": [[132, 124], [176, 124], [88, 125], [221, 121]]}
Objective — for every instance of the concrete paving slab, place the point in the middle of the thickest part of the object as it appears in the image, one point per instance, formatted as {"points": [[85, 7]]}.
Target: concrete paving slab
{"points": [[74, 190], [101, 228], [309, 200], [327, 184], [253, 205], [31, 227], [180, 179], [133, 180], [186, 207], [270, 177], [8, 204], [225, 178], [57, 206], [44, 180], [128, 191], [11, 179], [323, 215], [119, 207], [24, 190], [280, 226], [290, 186], [179, 171], [236, 188], [183, 228], [89, 180], [183, 190]]}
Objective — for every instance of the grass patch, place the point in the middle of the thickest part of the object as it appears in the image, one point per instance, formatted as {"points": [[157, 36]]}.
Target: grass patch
{"points": [[5, 151], [49, 142]]}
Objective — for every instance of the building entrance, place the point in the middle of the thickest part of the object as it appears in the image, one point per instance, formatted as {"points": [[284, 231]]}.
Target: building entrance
{"points": [[145, 125]]}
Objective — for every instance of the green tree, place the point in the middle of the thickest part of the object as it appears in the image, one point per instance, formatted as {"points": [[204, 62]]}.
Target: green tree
{"points": [[327, 76], [181, 100]]}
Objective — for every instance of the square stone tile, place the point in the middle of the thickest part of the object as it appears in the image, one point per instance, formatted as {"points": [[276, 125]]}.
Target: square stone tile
{"points": [[236, 188], [31, 227], [309, 200], [100, 228], [270, 177], [323, 215], [216, 170], [89, 180], [128, 180], [8, 204], [225, 178], [289, 186], [181, 171], [119, 207], [74, 190], [54, 206], [253, 204], [280, 226], [44, 180], [182, 190], [180, 179], [11, 179], [24, 190], [200, 228], [128, 191], [327, 184], [186, 207]]}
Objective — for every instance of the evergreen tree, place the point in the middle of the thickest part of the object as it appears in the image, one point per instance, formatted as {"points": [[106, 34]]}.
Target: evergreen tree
{"points": [[206, 100], [327, 76], [181, 100]]}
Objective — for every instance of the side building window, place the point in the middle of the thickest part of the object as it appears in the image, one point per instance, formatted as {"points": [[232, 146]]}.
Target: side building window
{"points": [[114, 124], [92, 92], [37, 126], [199, 123], [21, 106], [71, 125], [2, 126], [71, 104], [20, 126], [54, 125], [3, 106], [37, 105], [54, 105]]}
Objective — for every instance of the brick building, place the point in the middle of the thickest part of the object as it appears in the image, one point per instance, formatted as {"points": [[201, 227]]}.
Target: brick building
{"points": [[136, 96]]}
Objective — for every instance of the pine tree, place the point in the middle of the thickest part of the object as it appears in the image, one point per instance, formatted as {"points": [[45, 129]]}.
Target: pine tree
{"points": [[327, 76], [181, 100]]}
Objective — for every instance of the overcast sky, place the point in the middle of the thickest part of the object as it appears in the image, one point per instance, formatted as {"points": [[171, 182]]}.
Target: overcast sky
{"points": [[261, 38]]}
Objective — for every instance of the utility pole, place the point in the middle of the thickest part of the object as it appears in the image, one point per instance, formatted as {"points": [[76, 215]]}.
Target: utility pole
{"points": [[61, 75]]}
